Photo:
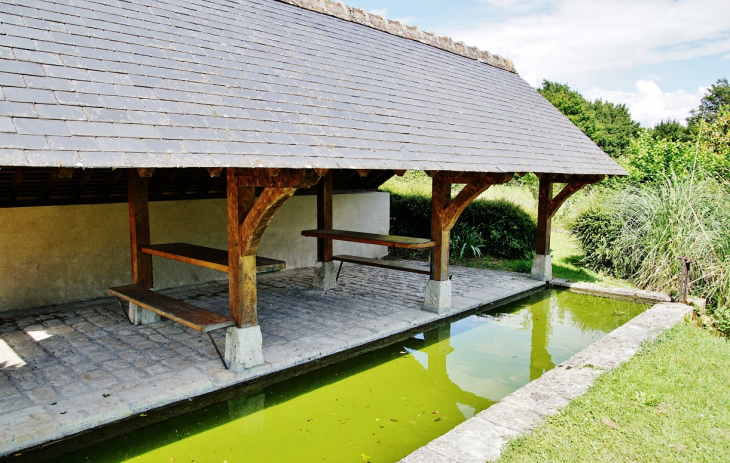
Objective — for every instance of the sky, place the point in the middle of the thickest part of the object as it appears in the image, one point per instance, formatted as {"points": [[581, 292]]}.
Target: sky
{"points": [[658, 57]]}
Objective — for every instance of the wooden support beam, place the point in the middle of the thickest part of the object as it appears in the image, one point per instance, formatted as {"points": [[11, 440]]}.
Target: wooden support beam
{"points": [[51, 183], [324, 217], [248, 218], [214, 171], [545, 195], [440, 199], [241, 279], [65, 172], [565, 178], [17, 180], [113, 180], [83, 181], [285, 178], [194, 175], [363, 172], [548, 204], [165, 183], [139, 228], [399, 173]]}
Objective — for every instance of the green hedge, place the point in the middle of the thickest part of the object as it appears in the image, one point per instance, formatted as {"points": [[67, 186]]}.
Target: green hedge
{"points": [[597, 230], [507, 230]]}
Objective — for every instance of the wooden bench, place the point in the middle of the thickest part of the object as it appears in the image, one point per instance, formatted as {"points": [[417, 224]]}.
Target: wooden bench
{"points": [[404, 242], [216, 259], [197, 318]]}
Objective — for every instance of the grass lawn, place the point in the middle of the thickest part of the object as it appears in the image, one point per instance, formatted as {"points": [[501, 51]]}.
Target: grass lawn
{"points": [[669, 403], [566, 262]]}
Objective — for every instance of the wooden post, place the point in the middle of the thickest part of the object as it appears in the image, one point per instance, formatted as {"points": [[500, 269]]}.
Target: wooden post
{"points": [[139, 228], [440, 199], [241, 272], [544, 217], [324, 216]]}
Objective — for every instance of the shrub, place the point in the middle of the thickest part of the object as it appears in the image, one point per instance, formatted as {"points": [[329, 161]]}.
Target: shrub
{"points": [[506, 230], [641, 231], [597, 229], [466, 241]]}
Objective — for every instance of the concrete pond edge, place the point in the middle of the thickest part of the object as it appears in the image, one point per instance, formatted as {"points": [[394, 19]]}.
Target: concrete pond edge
{"points": [[483, 437]]}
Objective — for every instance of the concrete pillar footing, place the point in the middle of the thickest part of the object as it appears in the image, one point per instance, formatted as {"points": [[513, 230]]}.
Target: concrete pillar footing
{"points": [[325, 276], [542, 267], [141, 316], [244, 348], [438, 296]]}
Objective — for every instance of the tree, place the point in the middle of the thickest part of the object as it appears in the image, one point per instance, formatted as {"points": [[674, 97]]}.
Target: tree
{"points": [[609, 125], [717, 96], [671, 130]]}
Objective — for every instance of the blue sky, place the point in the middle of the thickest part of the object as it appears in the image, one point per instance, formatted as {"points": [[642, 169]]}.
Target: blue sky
{"points": [[655, 56]]}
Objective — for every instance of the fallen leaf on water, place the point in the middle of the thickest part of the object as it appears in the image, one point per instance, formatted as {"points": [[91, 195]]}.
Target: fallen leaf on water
{"points": [[608, 422], [393, 420], [365, 457], [435, 413], [438, 419]]}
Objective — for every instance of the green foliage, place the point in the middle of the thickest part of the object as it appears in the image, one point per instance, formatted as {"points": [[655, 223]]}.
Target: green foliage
{"points": [[505, 229], [671, 130], [649, 158], [597, 229], [641, 231], [717, 96], [609, 125], [466, 241]]}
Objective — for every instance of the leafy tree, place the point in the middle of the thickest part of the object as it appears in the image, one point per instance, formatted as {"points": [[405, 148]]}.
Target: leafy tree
{"points": [[609, 125], [717, 96], [671, 130]]}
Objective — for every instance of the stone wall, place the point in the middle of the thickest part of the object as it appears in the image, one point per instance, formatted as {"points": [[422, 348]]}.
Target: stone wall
{"points": [[58, 254]]}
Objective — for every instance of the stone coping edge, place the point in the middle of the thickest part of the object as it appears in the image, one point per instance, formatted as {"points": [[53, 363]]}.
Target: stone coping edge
{"points": [[361, 16], [626, 294], [482, 437]]}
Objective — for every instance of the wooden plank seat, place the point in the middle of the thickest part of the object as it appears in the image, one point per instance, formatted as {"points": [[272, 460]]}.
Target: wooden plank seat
{"points": [[197, 318], [216, 259], [406, 267], [405, 242]]}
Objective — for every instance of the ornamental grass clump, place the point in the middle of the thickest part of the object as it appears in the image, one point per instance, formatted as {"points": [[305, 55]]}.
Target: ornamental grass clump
{"points": [[640, 232]]}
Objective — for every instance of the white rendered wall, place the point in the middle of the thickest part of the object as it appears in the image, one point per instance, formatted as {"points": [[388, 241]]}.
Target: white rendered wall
{"points": [[58, 254]]}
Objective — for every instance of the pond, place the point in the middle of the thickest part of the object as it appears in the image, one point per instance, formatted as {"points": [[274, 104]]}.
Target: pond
{"points": [[382, 405]]}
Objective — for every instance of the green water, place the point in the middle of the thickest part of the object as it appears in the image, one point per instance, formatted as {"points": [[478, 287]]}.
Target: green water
{"points": [[382, 405]]}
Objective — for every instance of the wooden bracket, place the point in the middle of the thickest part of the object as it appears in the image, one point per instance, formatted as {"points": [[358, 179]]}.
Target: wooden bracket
{"points": [[146, 172], [214, 171], [363, 172], [65, 172], [568, 191], [399, 173]]}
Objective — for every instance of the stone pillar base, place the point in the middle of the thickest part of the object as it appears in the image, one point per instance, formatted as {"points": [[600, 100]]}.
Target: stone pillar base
{"points": [[438, 296], [141, 316], [325, 276], [542, 267], [244, 348]]}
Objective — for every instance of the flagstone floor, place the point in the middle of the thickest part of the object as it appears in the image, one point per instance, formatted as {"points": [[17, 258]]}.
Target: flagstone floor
{"points": [[73, 367]]}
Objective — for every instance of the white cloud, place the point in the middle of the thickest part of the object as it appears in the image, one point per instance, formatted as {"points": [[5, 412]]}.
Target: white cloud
{"points": [[573, 39], [649, 104]]}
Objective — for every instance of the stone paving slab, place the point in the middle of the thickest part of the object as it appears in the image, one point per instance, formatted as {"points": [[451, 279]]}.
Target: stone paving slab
{"points": [[482, 437], [69, 369]]}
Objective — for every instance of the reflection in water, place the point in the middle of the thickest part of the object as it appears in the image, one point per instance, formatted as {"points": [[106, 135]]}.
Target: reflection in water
{"points": [[384, 404], [540, 359]]}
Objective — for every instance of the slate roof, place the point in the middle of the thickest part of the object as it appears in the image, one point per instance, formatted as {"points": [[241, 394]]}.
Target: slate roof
{"points": [[260, 83]]}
